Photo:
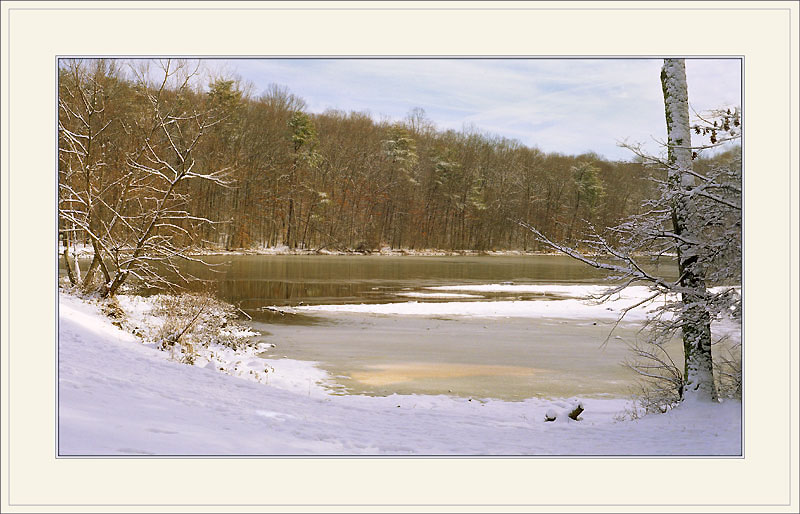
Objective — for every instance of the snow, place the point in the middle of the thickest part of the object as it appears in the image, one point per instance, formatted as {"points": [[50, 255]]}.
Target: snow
{"points": [[119, 396], [77, 250], [385, 251], [583, 306], [438, 295], [578, 290], [579, 302], [245, 363], [677, 106]]}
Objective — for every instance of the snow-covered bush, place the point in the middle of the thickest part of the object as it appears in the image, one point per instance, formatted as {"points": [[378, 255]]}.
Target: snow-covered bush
{"points": [[195, 320], [660, 381], [196, 328], [186, 315]]}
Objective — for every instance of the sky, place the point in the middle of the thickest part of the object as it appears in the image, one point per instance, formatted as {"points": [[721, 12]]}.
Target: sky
{"points": [[569, 106]]}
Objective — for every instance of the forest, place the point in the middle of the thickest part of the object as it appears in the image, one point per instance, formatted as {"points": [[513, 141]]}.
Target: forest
{"points": [[261, 171]]}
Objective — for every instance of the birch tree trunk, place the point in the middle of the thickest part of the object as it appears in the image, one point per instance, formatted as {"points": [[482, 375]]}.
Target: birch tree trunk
{"points": [[695, 316]]}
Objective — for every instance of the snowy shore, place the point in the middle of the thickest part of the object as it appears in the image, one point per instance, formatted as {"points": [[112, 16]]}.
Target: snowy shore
{"points": [[85, 250], [385, 251], [120, 397]]}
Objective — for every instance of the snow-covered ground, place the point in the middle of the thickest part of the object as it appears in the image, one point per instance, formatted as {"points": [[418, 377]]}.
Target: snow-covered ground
{"points": [[79, 250], [118, 396]]}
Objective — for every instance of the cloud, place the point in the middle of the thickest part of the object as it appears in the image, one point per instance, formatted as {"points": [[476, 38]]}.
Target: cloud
{"points": [[560, 105]]}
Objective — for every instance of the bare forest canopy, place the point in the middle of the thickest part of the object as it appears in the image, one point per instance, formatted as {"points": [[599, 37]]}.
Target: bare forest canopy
{"points": [[218, 168]]}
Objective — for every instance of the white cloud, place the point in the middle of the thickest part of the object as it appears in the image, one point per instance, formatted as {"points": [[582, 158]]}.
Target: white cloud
{"points": [[562, 105]]}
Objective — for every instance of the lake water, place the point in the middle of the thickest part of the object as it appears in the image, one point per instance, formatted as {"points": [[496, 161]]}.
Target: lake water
{"points": [[506, 358], [252, 281]]}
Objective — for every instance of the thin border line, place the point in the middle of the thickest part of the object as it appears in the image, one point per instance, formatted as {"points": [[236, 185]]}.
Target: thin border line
{"points": [[403, 504], [789, 360], [385, 9], [451, 57], [9, 278], [58, 298]]}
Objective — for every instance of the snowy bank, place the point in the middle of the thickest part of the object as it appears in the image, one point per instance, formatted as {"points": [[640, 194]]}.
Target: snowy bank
{"points": [[229, 350], [120, 397], [385, 251]]}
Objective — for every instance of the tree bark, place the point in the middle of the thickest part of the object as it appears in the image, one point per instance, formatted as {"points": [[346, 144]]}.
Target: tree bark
{"points": [[68, 266], [695, 317]]}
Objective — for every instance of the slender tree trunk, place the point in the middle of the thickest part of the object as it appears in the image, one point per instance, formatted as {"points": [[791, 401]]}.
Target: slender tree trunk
{"points": [[695, 317], [574, 217], [290, 221], [87, 279], [290, 209], [73, 245], [68, 266], [304, 242]]}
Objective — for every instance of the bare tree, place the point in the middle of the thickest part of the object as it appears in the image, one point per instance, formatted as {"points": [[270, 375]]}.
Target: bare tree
{"points": [[135, 213], [83, 128], [697, 218]]}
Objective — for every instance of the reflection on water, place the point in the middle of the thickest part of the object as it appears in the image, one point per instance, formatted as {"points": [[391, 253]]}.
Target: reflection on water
{"points": [[253, 281]]}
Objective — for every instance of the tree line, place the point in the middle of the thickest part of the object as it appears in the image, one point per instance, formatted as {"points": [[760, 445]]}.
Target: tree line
{"points": [[339, 181], [156, 162]]}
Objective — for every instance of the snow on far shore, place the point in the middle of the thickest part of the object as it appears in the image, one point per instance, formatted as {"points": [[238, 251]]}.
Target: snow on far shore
{"points": [[82, 250], [77, 250], [117, 396], [385, 251]]}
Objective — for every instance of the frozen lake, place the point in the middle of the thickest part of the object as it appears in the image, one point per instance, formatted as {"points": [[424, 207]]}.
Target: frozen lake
{"points": [[510, 358], [507, 327]]}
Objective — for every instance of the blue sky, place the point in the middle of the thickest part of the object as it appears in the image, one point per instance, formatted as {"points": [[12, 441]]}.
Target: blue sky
{"points": [[557, 105]]}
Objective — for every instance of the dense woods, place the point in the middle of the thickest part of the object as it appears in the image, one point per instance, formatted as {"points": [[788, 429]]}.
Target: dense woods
{"points": [[156, 160], [333, 181]]}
